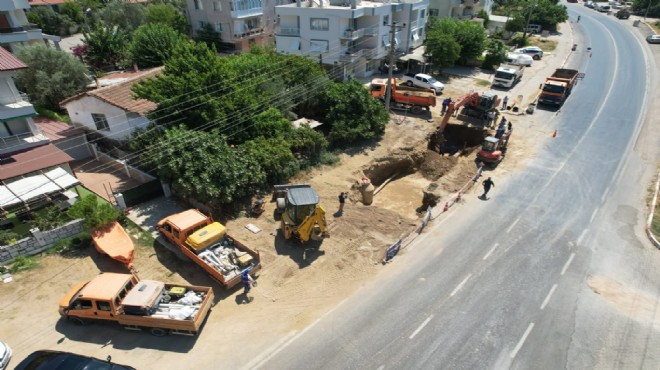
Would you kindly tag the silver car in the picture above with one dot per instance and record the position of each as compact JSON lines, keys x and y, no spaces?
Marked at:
{"x":533,"y":51}
{"x":653,"y":39}
{"x":5,"y":355}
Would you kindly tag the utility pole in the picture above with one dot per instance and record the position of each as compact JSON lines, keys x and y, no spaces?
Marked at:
{"x":529,"y":17}
{"x":388,"y":88}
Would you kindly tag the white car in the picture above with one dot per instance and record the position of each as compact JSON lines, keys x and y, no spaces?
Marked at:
{"x":519,"y":59}
{"x":533,"y":51}
{"x":5,"y":355}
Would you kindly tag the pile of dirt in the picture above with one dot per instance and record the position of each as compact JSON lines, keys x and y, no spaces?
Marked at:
{"x":436,"y":165}
{"x":402,"y":161}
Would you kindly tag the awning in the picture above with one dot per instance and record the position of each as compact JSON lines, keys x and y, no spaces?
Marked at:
{"x":28,"y":188}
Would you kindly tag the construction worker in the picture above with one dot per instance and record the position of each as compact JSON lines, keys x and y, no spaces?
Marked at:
{"x":488,"y":183}
{"x":445,"y":104}
{"x":247,"y":281}
{"x":342,"y":200}
{"x":505,"y":102}
{"x":578,"y":19}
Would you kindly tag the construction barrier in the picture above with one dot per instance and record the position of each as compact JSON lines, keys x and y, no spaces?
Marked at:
{"x":392,"y":251}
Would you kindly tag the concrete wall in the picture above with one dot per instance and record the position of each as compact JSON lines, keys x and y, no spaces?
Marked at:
{"x":39,"y":241}
{"x":119,"y":124}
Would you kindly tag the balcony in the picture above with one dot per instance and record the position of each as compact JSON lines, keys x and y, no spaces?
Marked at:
{"x":289,"y":31}
{"x":245,"y":13}
{"x":9,"y":5}
{"x":20,"y":34}
{"x":352,"y":35}
{"x":371,"y":31}
{"x":351,"y":56}
{"x":249,"y":33}
{"x":21,"y":141}
{"x":17,"y":108}
{"x":375,"y":53}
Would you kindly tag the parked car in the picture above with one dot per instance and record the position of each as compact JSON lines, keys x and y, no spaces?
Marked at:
{"x":653,"y":39}
{"x":533,"y":51}
{"x":603,"y":8}
{"x":56,"y":360}
{"x":534,"y":28}
{"x":519,"y":59}
{"x":5,"y":355}
{"x":589,"y":4}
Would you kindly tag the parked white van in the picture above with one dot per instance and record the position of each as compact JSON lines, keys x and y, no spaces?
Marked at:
{"x":534,"y":28}
{"x":519,"y":59}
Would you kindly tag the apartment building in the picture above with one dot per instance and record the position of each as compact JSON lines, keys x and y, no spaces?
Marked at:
{"x":240,"y":23}
{"x":15,"y":30}
{"x":350,"y":37}
{"x":458,"y":8}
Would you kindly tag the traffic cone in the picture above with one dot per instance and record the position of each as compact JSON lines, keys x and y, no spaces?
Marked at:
{"x":446,"y":207}
{"x":554,"y":134}
{"x":458,"y":196}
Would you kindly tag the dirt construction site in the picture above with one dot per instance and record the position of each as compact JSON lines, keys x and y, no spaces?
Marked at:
{"x":299,"y":282}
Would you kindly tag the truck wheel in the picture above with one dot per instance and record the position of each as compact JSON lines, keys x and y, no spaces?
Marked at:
{"x":77,"y":320}
{"x":158,"y":332}
{"x":416,"y":109}
{"x":409,"y":83}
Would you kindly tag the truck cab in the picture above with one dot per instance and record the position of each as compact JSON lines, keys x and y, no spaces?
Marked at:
{"x":508,"y":75}
{"x":99,"y":298}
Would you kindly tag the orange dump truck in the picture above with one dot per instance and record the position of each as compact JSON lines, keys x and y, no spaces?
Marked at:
{"x":139,"y":304}
{"x":404,"y":97}
{"x":207,"y":244}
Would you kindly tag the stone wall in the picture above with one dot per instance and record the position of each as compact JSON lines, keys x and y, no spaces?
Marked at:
{"x":39,"y":241}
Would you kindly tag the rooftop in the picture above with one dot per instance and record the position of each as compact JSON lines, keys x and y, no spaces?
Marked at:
{"x":105,"y":286}
{"x":55,"y":130}
{"x":29,"y":160}
{"x":8,"y":62}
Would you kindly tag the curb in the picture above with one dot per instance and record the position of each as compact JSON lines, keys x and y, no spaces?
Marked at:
{"x":649,"y":221}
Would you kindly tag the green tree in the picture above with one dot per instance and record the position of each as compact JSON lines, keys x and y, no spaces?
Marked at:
{"x":443,"y":48}
{"x":353,"y":114}
{"x":274,"y":157}
{"x":471,"y":37}
{"x":643,"y":5}
{"x":496,"y":53}
{"x":548,"y":14}
{"x":49,"y":218}
{"x":202,"y":165}
{"x":73,"y":10}
{"x":95,"y":213}
{"x":167,"y":14}
{"x":105,"y":47}
{"x":152,"y":44}
{"x":122,"y":15}
{"x":208,"y":35}
{"x":307,"y":143}
{"x":50,"y":22}
{"x":52,"y":75}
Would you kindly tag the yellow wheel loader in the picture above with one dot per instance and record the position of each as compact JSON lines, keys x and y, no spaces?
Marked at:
{"x":302,"y":216}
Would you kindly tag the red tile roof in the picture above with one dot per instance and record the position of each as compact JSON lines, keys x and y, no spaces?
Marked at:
{"x":120,"y":95}
{"x":30,"y":160}
{"x":56,"y":130}
{"x":8,"y":62}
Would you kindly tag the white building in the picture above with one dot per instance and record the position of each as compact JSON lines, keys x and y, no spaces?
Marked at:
{"x":350,"y":37}
{"x":15,"y":30}
{"x":111,"y":110}
{"x":241,"y":23}
{"x":458,"y":8}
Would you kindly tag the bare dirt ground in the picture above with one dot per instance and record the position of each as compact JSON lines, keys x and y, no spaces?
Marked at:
{"x":298,"y":282}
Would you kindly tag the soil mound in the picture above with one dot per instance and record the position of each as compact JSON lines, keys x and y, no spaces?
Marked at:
{"x":436,"y":165}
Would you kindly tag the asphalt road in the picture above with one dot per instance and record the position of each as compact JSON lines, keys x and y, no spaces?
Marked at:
{"x":512,"y":283}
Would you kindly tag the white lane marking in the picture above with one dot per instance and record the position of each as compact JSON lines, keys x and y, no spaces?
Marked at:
{"x":602,"y":199}
{"x":547,"y":298}
{"x":568,"y":263}
{"x":584,"y":232}
{"x":258,"y":362}
{"x":420,"y":327}
{"x":593,"y":215}
{"x":460,"y":285}
{"x":491,"y":251}
{"x":512,"y":225}
{"x":522,"y":340}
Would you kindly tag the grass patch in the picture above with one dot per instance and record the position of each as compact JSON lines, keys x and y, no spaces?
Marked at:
{"x":23,"y":263}
{"x":481,"y":82}
{"x":83,"y":192}
{"x":74,"y":243}
{"x":543,"y":43}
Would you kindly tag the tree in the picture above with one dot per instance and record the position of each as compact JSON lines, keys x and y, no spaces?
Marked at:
{"x":307,"y":143}
{"x":105,"y":47}
{"x":52,"y":75}
{"x":274,"y":157}
{"x":122,"y":15}
{"x":202,"y":165}
{"x":353,"y":114}
{"x":208,"y":35}
{"x":167,"y":14}
{"x":95,"y":213}
{"x":548,"y":14}
{"x":443,"y":48}
{"x":471,"y":37}
{"x":496,"y":53}
{"x":49,"y":21}
{"x":73,"y":10}
{"x":152,"y":44}
{"x":643,"y":5}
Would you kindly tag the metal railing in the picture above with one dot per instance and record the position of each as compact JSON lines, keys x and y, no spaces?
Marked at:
{"x":289,"y":31}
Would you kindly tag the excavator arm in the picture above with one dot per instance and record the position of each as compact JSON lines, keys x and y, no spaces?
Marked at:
{"x":314,"y":226}
{"x":471,"y":98}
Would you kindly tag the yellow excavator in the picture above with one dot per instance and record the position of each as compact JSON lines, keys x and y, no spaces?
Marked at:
{"x":302,"y":216}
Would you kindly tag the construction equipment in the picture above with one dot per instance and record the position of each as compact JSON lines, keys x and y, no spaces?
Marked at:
{"x":493,"y":149}
{"x":302,"y":216}
{"x":558,"y":86}
{"x":404,"y":97}
{"x":476,"y":105}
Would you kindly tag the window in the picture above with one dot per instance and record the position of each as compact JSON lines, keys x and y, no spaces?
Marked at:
{"x":319,"y":46}
{"x":434,"y":12}
{"x":421,"y":15}
{"x":201,"y":25}
{"x":218,"y":27}
{"x":217,"y":6}
{"x":198,"y":5}
{"x":319,"y":24}
{"x":100,"y":121}
{"x":82,"y":304}
{"x":386,"y":20}
{"x":295,"y":44}
{"x":420,"y":32}
{"x":386,"y":41}
{"x":251,"y":24}
{"x":103,"y":305}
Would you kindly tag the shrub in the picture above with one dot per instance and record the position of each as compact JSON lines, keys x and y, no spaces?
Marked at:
{"x":23,"y":263}
{"x":8,"y":237}
{"x":94,"y":213}
{"x":49,"y":218}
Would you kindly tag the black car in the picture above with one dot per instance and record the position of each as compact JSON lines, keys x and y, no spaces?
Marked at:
{"x":56,"y":360}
